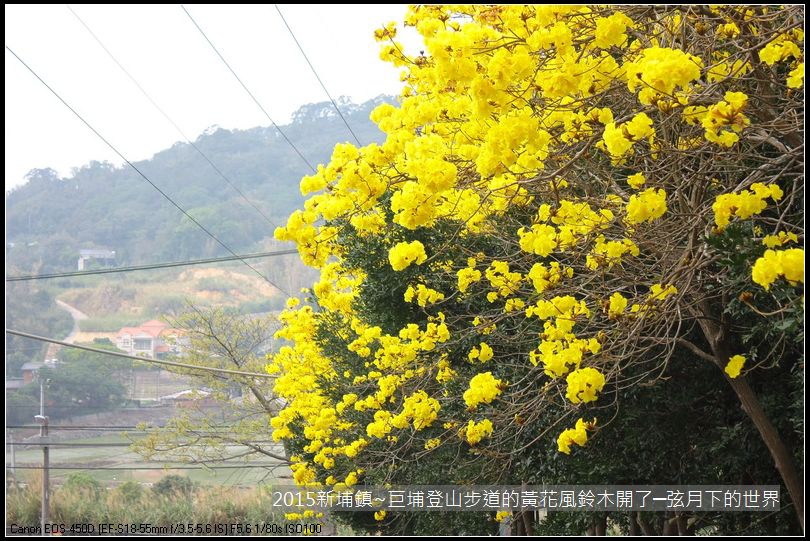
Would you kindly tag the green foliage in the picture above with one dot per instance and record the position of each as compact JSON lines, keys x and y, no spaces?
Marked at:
{"x":84,"y":382}
{"x":83,"y":482}
{"x":31,"y":308}
{"x":174,"y":485}
{"x":130,"y":491}
{"x":21,"y":407}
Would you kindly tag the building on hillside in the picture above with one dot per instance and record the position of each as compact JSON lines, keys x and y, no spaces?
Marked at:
{"x":153,"y":339}
{"x":104,"y":258}
{"x":30,"y":371}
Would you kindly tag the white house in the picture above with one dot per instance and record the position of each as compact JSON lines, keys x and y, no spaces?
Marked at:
{"x":153,"y":339}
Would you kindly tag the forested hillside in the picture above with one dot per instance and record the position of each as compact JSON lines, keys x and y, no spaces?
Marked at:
{"x":102,"y":206}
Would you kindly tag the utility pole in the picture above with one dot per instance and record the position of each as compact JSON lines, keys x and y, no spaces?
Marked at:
{"x":13,"y":454}
{"x":42,"y":420}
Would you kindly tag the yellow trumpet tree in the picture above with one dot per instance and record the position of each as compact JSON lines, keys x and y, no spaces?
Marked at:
{"x":567,"y":198}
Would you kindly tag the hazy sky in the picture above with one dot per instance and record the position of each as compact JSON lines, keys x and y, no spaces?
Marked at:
{"x":162,"y":49}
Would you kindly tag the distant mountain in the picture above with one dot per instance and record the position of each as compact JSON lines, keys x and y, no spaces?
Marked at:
{"x":49,"y":219}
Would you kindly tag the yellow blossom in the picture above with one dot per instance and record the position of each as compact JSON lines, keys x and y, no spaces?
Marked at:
{"x":500,"y":516}
{"x":773,"y":264}
{"x":475,"y":432}
{"x":659,"y":70}
{"x":405,"y":253}
{"x":796,"y":76}
{"x":432,"y":443}
{"x":636,"y":180}
{"x":481,"y":355}
{"x":647,"y":206}
{"x":484,"y":388}
{"x":584,"y":385}
{"x":577,"y":435}
{"x":611,"y":30}
{"x":617,"y":306}
{"x":734,"y":366}
{"x":423,"y":295}
{"x":772,"y":241}
{"x":467,"y":276}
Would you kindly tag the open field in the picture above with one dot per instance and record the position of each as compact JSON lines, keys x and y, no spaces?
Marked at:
{"x":112,"y":302}
{"x":97,"y":456}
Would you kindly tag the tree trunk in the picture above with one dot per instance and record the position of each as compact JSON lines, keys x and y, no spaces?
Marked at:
{"x":600,"y":525}
{"x":645,"y":526}
{"x":669,"y":527}
{"x":680,"y":521}
{"x":780,"y":453}
{"x":526,"y":518}
{"x":633,"y":527}
{"x":718,"y":339}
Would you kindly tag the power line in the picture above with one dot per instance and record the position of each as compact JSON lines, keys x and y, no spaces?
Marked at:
{"x":140,"y":468}
{"x":131,"y":428}
{"x":334,"y":103}
{"x":149,"y":267}
{"x":68,"y":444}
{"x":84,"y":427}
{"x":143,"y":359}
{"x":256,"y":101}
{"x":161,"y":192}
{"x":111,"y":444}
{"x":169,"y":119}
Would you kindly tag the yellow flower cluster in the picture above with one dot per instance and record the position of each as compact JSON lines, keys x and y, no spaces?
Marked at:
{"x":500,"y":516}
{"x":481,"y":355}
{"x":796,"y":76}
{"x":432,"y":443}
{"x":744,"y":204}
{"x":423,"y":294}
{"x":420,"y":409}
{"x":475,"y":432}
{"x":617,"y":305}
{"x":573,"y":221}
{"x":577,"y":435}
{"x":444,"y":373}
{"x":540,"y":240}
{"x":484,"y":388}
{"x":502,"y":280}
{"x":610,"y":252}
{"x":611,"y":30}
{"x":776,"y":263}
{"x":619,"y":139}
{"x":734,"y":366}
{"x":584,"y":385}
{"x":404,"y":253}
{"x":782,"y":47}
{"x":659,"y":70}
{"x":466,"y":277}
{"x":772,"y":241}
{"x":560,"y":349}
{"x":659,"y":292}
{"x":636,"y":180}
{"x":646,"y":206}
{"x":543,"y":277}
{"x":726,"y":114}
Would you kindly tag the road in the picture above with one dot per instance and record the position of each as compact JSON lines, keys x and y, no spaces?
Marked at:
{"x":77,"y":316}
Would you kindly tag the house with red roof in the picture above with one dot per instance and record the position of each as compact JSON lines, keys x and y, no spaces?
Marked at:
{"x":153,"y":339}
